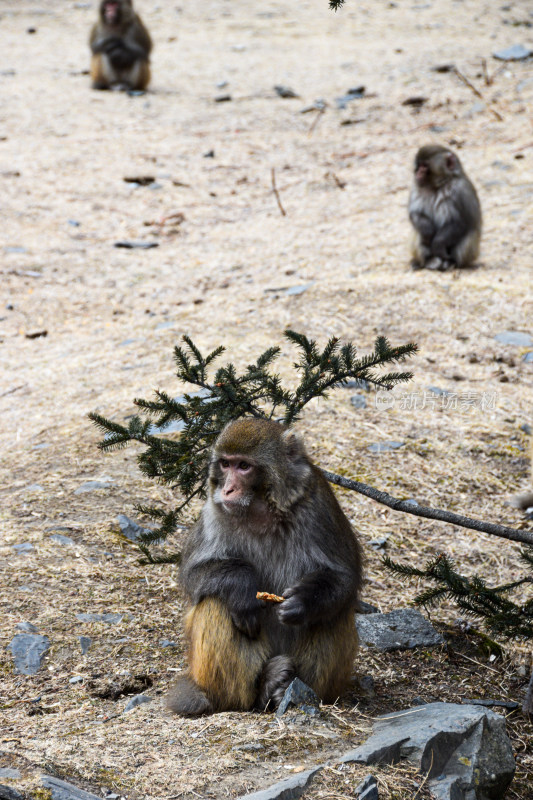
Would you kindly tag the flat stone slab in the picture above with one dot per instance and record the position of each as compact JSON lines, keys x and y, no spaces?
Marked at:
{"x":28,"y":650}
{"x":288,"y":789}
{"x":401,"y":629}
{"x":111,"y":618}
{"x":516,"y":338}
{"x":464,"y":750}
{"x":516,"y":52}
{"x":61,"y":790}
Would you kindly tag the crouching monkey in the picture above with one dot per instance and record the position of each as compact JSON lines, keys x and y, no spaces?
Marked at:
{"x":120,"y":46}
{"x":271,"y":522}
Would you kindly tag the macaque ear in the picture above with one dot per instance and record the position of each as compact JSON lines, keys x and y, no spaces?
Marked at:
{"x":451,"y":162}
{"x":293,"y":445}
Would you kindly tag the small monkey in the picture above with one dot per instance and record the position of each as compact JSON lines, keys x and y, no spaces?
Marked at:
{"x":271,"y":523}
{"x":120,"y":46}
{"x":444,"y":210}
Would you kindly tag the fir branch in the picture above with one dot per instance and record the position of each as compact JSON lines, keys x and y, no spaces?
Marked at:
{"x":182,"y":461}
{"x":472,"y":595}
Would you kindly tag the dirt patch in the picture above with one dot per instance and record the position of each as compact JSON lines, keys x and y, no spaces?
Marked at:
{"x":225,"y":259}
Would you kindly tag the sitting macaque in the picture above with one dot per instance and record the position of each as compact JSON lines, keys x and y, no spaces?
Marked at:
{"x":271,"y":526}
{"x":444,"y":210}
{"x":120,"y":46}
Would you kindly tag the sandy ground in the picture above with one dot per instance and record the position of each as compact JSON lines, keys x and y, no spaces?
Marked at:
{"x":112,"y":317}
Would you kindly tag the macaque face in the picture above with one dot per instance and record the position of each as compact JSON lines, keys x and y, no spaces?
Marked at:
{"x":111,"y":11}
{"x":237,"y":479}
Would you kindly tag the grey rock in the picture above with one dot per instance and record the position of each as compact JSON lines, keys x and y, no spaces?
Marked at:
{"x":516,"y":52}
{"x":286,"y":92}
{"x":138,"y":700}
{"x":367,"y":789}
{"x":61,"y":790}
{"x":34,"y":487}
{"x":28,"y":650}
{"x":167,"y":643}
{"x":91,"y":486}
{"x":401,"y":629}
{"x":136,"y":245}
{"x":510,"y":704}
{"x":289,"y":789}
{"x":317,"y":105}
{"x":301,"y":695}
{"x":367,"y":608}
{"x":295,"y":290}
{"x":366,"y":686}
{"x":438,"y":391}
{"x":85,"y":643}
{"x":161,"y":326}
{"x":528,"y":357}
{"x":357,"y":93}
{"x":8,"y":772}
{"x":358,"y":400}
{"x":385,"y":447}
{"x":25,"y":547}
{"x":526,"y":428}
{"x":515,"y":338}
{"x":380,"y":543}
{"x":76,"y":679}
{"x":130,"y":529}
{"x":464,"y":750}
{"x":109,"y":618}
{"x":8,"y":793}
{"x":248,"y":747}
{"x":60,"y":539}
{"x":26,"y":627}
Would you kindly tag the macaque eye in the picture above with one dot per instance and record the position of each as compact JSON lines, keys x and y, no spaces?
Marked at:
{"x":224,"y":463}
{"x":244,"y":466}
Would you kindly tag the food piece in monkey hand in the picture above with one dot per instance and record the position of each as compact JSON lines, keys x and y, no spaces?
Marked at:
{"x":269,"y":598}
{"x":270,"y":519}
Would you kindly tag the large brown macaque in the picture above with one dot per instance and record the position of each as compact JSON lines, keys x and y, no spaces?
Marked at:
{"x":271,"y":523}
{"x":444,"y":210}
{"x":120,"y":46}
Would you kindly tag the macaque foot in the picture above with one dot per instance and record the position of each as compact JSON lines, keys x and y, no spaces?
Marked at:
{"x":186,"y":698}
{"x":276,"y":676}
{"x":435,"y":263}
{"x":416,"y":265}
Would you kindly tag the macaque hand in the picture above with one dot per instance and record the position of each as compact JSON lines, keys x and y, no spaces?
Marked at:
{"x":248,"y":618}
{"x":294,"y":609}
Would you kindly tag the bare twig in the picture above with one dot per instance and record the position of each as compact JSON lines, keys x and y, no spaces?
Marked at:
{"x":411,"y":507}
{"x":477,"y":93}
{"x":319,"y":113}
{"x":276,"y":193}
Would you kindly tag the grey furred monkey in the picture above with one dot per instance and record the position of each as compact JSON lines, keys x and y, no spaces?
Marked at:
{"x":120,"y":46}
{"x":271,"y":523}
{"x":444,"y":210}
